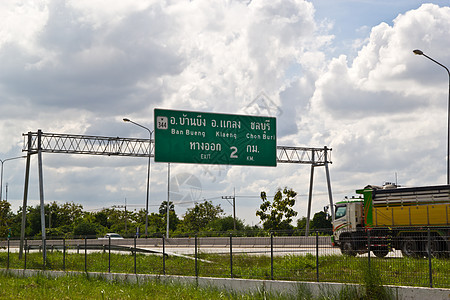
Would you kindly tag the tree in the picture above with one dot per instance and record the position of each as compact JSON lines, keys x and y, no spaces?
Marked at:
{"x":33,"y":227}
{"x":156,"y":223}
{"x":101,"y":218}
{"x":5,"y":218}
{"x":59,"y":219}
{"x":225,"y":224}
{"x":116,"y":219}
{"x":173,"y":218}
{"x":63,"y":217}
{"x":86,"y":228}
{"x":321,"y":222}
{"x":301,"y":223}
{"x":278,"y":214}
{"x":198,"y":217}
{"x":139,"y":218}
{"x":163,"y":207}
{"x":68,"y":213}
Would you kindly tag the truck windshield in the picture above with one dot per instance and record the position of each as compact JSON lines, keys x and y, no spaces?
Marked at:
{"x":340,"y":211}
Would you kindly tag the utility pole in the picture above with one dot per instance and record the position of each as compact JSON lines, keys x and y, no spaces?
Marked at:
{"x":234,"y":206}
{"x":126,"y":217}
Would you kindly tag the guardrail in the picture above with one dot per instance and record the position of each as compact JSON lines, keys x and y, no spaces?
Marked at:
{"x":246,"y":242}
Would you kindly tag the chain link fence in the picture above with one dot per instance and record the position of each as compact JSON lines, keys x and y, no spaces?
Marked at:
{"x":410,"y":258}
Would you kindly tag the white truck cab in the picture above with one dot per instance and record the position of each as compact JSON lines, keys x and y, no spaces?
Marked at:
{"x":348,"y":217}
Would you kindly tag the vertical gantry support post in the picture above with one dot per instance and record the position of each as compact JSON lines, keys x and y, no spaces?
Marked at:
{"x":25,"y":195}
{"x":330,"y":195}
{"x":168,"y":200}
{"x":311,"y":181}
{"x":148,"y":184}
{"x":41,"y":196}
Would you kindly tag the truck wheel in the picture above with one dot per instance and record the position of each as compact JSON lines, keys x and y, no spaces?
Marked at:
{"x":380,"y":252}
{"x":435,"y":249}
{"x":409,"y":247}
{"x":347,"y":248}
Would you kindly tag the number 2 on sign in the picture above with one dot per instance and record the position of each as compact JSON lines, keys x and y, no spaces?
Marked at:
{"x":233,"y":152}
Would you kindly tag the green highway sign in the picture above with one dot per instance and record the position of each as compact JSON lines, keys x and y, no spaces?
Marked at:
{"x":210,"y":138}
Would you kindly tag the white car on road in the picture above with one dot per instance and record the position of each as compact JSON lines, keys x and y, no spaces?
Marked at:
{"x":112,"y":236}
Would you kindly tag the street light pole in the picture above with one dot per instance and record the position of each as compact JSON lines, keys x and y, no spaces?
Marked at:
{"x":148,"y":170}
{"x":1,"y":173}
{"x":420,"y":52}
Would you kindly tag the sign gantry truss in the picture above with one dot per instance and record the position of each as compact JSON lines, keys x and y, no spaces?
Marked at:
{"x":117,"y":146}
{"x":304,"y":155}
{"x":87,"y":144}
{"x":39,"y":142}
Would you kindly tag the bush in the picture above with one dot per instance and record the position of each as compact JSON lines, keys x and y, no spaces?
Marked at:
{"x":85,"y":228}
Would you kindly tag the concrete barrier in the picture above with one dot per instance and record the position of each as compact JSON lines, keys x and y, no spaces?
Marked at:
{"x":287,"y":288}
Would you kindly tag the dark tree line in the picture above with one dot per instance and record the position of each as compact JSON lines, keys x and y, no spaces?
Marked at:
{"x":69,"y":219}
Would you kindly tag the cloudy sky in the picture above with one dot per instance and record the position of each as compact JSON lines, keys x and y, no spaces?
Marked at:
{"x":335,"y":73}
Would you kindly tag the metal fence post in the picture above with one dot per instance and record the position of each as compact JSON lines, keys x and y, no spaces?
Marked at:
{"x":164,"y":254}
{"x":195,"y":250}
{"x":271,"y":255}
{"x":317,"y":256}
{"x":44,"y":254}
{"x":109,"y":254}
{"x":64,"y":254}
{"x":134,"y":252}
{"x":25,"y":255}
{"x":85,"y":254}
{"x":7,"y":261}
{"x":231,"y":255}
{"x":430,"y":269}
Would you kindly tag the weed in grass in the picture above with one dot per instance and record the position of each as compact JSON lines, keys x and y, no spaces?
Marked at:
{"x":303,"y":293}
{"x":373,"y":284}
{"x":346,"y":293}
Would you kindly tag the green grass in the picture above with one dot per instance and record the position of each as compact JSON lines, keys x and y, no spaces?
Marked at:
{"x":88,"y":287}
{"x":332,"y":268}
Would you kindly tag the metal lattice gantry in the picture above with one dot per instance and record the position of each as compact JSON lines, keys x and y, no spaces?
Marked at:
{"x":86,"y":144}
{"x":39,"y":142}
{"x":117,"y":146}
{"x":304,"y":155}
